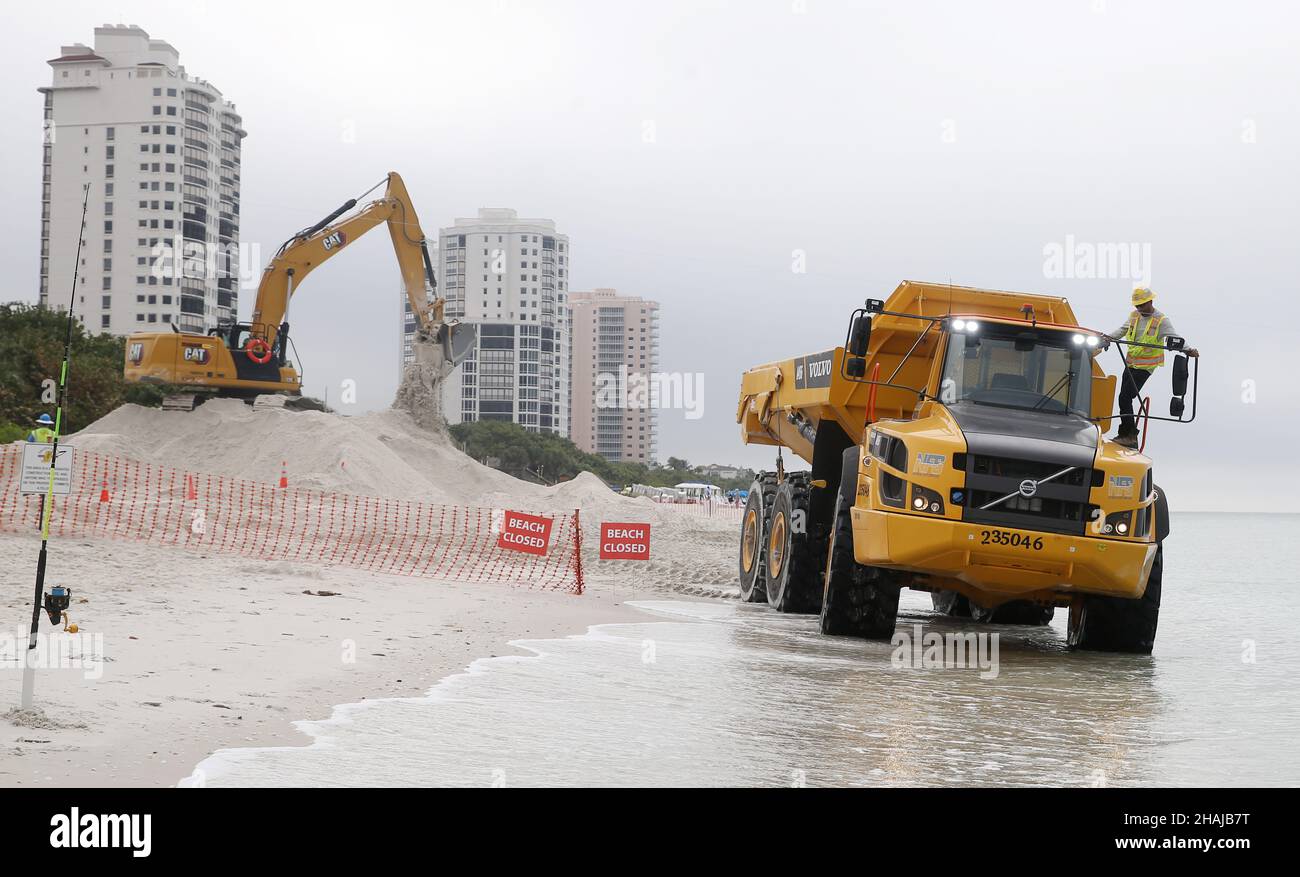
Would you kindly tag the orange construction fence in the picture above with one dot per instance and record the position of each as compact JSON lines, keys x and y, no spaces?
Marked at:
{"x":118,"y":498}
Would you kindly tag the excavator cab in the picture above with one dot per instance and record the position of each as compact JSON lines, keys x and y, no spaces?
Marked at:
{"x":254,"y":363}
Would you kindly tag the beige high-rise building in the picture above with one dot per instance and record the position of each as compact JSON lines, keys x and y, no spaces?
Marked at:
{"x":615,"y":354}
{"x":160,"y":150}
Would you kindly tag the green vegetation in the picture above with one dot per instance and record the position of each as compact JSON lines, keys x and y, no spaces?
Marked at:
{"x":549,"y":458}
{"x":31,"y":354}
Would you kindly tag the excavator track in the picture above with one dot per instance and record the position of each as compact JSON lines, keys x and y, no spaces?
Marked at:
{"x":183,"y":401}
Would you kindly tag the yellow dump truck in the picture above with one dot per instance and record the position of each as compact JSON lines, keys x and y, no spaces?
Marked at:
{"x":956,"y":444}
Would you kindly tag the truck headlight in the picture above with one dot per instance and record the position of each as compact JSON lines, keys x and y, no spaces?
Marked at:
{"x":926,"y":500}
{"x":1119,"y":524}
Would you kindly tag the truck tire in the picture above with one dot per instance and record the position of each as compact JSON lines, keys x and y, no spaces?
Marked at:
{"x":793,"y":565}
{"x":950,"y":603}
{"x":1113,"y":624}
{"x":857,"y":600}
{"x":1012,"y":612}
{"x":753,"y":532}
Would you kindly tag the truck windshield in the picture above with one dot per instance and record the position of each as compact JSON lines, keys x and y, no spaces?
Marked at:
{"x":1017,"y":367}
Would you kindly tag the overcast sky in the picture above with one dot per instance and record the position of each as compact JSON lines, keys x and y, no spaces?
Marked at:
{"x":690,"y":149}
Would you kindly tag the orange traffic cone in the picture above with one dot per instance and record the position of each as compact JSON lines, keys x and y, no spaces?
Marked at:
{"x":284,"y":479}
{"x":103,"y":490}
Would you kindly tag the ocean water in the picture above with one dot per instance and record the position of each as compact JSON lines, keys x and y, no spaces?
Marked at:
{"x":721,"y":693}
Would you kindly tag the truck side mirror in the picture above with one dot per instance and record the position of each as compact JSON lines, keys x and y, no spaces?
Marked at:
{"x":860,"y":335}
{"x":856,"y":367}
{"x":1180,"y":376}
{"x":1177,"y":406}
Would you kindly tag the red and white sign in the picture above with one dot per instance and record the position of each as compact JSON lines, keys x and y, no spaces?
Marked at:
{"x":527,"y":533}
{"x":624,"y":541}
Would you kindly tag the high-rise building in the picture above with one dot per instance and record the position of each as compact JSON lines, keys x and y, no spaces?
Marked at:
{"x":615,"y":356}
{"x":509,"y":277}
{"x":160,"y":150}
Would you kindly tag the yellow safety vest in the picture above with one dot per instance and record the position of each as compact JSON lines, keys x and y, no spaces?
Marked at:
{"x":1147,"y":358}
{"x":43,"y":435}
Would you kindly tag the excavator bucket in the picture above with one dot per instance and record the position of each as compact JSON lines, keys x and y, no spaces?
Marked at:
{"x":457,"y":340}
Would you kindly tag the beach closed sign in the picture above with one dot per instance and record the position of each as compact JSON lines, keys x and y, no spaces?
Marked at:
{"x":624,"y":541}
{"x":530,"y":534}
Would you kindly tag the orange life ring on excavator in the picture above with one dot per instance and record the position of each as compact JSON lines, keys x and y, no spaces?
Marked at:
{"x":258,"y":350}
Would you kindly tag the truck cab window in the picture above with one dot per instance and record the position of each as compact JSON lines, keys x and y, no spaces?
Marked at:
{"x":1040,"y":370}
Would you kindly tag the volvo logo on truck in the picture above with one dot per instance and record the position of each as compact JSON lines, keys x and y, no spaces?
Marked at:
{"x":814,"y":371}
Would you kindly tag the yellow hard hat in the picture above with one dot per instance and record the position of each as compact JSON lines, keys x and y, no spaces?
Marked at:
{"x":1142,"y":295}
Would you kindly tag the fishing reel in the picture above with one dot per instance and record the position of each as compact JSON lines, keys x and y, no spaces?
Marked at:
{"x":57,"y":602}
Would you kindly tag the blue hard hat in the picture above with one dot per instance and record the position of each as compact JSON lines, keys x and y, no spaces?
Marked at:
{"x":45,"y":420}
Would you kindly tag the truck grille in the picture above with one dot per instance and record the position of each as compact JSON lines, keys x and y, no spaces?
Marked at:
{"x":1059,"y":506}
{"x":1006,"y":467}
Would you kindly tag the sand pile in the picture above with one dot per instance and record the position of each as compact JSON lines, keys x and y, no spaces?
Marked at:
{"x":383,"y":454}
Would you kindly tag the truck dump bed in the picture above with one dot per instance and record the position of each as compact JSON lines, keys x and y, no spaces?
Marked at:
{"x":814,"y":390}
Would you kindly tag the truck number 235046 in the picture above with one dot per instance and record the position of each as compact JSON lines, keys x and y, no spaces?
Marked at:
{"x":1015,"y":540}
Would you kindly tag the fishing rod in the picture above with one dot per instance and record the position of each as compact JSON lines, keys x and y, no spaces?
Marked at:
{"x":29,"y":670}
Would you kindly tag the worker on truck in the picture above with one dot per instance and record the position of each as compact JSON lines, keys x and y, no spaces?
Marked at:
{"x":1145,"y":326}
{"x":42,"y":434}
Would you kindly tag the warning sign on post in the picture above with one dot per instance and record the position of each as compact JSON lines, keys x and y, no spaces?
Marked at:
{"x":36,"y":469}
{"x":530,"y":534}
{"x":624,"y":541}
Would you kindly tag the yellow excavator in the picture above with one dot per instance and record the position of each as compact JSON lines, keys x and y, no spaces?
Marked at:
{"x":250,"y":359}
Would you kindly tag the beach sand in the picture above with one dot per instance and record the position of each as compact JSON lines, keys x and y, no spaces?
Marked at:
{"x":207,"y":652}
{"x":203,"y":651}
